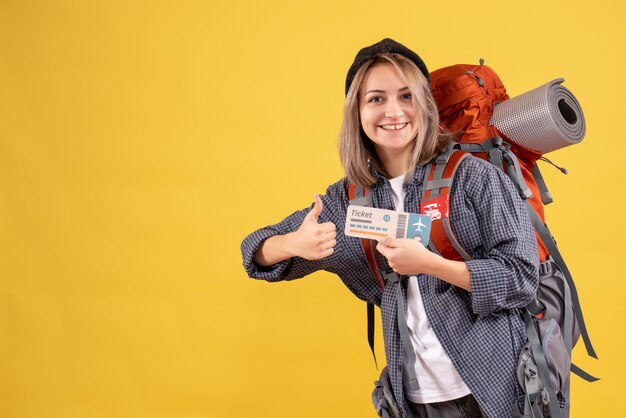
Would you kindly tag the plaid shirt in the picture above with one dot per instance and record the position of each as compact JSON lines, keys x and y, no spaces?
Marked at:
{"x":482,"y":331}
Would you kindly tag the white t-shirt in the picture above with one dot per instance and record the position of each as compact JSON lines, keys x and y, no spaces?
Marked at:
{"x":438,"y":379}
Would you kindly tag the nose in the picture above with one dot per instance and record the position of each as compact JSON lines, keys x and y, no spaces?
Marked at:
{"x":393,"y":109}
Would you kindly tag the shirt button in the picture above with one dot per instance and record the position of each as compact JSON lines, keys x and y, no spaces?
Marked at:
{"x":399,"y":368}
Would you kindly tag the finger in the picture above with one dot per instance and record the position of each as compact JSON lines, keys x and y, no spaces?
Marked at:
{"x":327,"y":227}
{"x":329,"y":244}
{"x":324,"y":253}
{"x":381,"y":248}
{"x":317,"y":207}
{"x":327,"y":236}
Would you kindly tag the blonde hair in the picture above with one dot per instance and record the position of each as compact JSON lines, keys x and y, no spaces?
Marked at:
{"x":356,"y":150}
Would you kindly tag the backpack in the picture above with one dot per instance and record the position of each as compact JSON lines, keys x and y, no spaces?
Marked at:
{"x":473,"y":103}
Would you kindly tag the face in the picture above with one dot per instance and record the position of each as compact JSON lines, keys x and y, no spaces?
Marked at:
{"x":388,"y":116}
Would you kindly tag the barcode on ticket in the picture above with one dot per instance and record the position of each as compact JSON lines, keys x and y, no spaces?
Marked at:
{"x":401,"y":232}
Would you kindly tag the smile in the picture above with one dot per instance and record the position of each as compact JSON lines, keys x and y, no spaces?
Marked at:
{"x":393,"y":127}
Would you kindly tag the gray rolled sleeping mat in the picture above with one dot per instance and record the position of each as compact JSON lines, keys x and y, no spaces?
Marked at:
{"x":544,"y":119}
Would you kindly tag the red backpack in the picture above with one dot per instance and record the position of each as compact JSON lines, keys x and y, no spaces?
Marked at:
{"x":466,"y":96}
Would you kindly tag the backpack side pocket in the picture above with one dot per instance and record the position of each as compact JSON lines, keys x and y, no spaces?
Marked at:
{"x":557,"y":356}
{"x":383,"y":399}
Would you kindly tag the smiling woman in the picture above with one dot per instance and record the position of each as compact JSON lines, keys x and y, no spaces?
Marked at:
{"x":451,"y":328}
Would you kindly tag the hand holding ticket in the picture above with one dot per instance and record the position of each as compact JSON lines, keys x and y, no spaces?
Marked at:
{"x":373,"y":223}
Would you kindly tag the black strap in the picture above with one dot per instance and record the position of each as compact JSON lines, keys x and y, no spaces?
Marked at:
{"x":371,"y":324}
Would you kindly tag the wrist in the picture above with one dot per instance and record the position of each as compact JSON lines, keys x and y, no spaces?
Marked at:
{"x":434,"y":264}
{"x":289,"y":244}
{"x":273,"y":250}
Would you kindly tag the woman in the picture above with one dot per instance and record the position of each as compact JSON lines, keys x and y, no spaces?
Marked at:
{"x":464,"y":328}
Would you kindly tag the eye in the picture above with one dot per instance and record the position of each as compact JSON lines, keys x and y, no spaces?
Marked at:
{"x":407,"y":96}
{"x":375,"y":99}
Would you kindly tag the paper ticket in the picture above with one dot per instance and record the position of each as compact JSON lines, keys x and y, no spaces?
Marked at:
{"x":373,"y":223}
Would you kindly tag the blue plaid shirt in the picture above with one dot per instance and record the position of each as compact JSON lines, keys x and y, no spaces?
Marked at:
{"x":482,"y":331}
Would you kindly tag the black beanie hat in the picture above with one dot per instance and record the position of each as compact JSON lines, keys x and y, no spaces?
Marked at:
{"x":386,"y":46}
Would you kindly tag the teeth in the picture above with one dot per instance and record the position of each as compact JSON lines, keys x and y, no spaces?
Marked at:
{"x":393,"y":127}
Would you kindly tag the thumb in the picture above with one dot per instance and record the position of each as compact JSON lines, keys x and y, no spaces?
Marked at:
{"x":317,"y":208}
{"x":389,"y":242}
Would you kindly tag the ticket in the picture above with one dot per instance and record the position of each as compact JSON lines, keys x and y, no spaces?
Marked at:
{"x":373,"y":223}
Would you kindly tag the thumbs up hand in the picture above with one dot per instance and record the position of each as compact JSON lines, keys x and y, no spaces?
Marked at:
{"x":313,"y":240}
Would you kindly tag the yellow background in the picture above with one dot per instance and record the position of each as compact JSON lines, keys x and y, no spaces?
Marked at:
{"x":140,"y":141}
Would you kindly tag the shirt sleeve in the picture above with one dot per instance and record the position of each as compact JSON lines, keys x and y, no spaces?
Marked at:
{"x":294,"y":267}
{"x":504,"y":273}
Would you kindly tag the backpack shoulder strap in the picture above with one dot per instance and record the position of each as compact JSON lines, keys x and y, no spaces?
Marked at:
{"x":436,"y":204}
{"x":360,"y":196}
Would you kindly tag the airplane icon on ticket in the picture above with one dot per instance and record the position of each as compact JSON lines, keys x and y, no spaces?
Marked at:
{"x":419,"y":225}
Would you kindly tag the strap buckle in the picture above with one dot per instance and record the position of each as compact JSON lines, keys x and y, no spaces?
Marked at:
{"x":390,"y":276}
{"x":546,"y":267}
{"x":536,"y":309}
